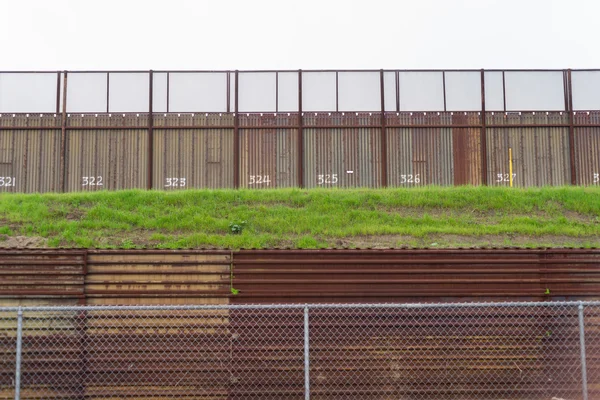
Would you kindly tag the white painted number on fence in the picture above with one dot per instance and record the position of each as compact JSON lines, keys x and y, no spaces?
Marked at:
{"x":91,"y":181}
{"x":505,"y":177}
{"x":327,"y":178}
{"x":7,"y":181}
{"x":259,"y":179}
{"x":596,"y":178}
{"x":410,"y":178}
{"x":175,"y":182}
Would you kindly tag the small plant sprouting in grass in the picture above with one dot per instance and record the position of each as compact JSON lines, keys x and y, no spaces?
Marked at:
{"x":237,"y":227}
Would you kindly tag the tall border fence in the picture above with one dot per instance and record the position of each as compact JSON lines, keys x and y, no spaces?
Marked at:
{"x":171,"y":130}
{"x":367,"y":351}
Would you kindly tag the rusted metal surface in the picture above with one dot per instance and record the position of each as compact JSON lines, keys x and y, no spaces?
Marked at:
{"x":383,"y":276}
{"x":106,"y":160}
{"x":441,"y":148}
{"x":268,"y":156}
{"x":384,"y":140}
{"x":423,"y":156}
{"x":158,"y":277}
{"x":150,"y":158}
{"x":540,"y":156}
{"x":345,"y":154}
{"x":298,"y":276}
{"x":30,"y":159}
{"x":203,"y":158}
{"x":355,"y":353}
{"x":567,"y":79}
{"x":63,"y":138}
{"x":587,"y":149}
{"x":42,"y":277}
{"x":467,"y":150}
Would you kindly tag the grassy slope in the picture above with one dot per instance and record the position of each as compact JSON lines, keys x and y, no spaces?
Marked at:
{"x":430,"y":216}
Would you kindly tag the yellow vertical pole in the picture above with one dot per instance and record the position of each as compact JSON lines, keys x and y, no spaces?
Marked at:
{"x":510,"y":167}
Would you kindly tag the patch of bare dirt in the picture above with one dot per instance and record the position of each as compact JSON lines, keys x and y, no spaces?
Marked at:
{"x":452,"y":241}
{"x":29,"y":242}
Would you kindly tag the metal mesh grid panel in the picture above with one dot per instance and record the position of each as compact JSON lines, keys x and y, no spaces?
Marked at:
{"x":445,"y":353}
{"x":8,"y":352}
{"x":394,"y":351}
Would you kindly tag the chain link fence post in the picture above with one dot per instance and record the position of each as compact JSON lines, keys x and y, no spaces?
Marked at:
{"x":18,"y":355}
{"x":306,"y":355}
{"x":582,"y":346}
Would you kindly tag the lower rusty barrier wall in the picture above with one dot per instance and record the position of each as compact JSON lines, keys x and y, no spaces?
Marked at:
{"x":221,"y":150}
{"x":137,"y":277}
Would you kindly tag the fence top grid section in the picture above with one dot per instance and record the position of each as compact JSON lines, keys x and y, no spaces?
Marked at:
{"x":298,"y":90}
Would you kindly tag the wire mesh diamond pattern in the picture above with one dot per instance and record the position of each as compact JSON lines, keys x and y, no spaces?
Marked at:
{"x":418,"y":351}
{"x":8,"y":353}
{"x":445,"y":353}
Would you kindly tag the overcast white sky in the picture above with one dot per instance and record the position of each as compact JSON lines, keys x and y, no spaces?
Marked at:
{"x":308,"y":34}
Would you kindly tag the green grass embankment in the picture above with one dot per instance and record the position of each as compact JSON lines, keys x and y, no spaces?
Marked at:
{"x":416,"y":217}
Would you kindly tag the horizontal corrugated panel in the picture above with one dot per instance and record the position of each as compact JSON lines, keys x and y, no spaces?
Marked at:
{"x":29,"y":159}
{"x":157,"y":278}
{"x":280,"y":276}
{"x":540,"y":156}
{"x":41,"y":274}
{"x":100,"y":159}
{"x":342,"y":156}
{"x":193,"y":158}
{"x":587,"y":149}
{"x":268,"y":156}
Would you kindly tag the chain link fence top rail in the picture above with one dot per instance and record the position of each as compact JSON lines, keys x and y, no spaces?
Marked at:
{"x":387,"y":351}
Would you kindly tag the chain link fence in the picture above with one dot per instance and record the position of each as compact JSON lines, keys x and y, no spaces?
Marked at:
{"x":404,"y":351}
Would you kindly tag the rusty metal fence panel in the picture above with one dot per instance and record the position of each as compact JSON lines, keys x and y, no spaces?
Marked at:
{"x":342,"y":150}
{"x":108,"y":152}
{"x":29,"y":158}
{"x":193,"y":151}
{"x":134,"y":277}
{"x":268,"y":151}
{"x":587,"y":148}
{"x":529,"y":351}
{"x":540,"y":149}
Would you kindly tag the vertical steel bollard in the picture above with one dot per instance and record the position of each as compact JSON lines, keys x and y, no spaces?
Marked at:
{"x":582,"y":346}
{"x":18,"y":358}
{"x":306,"y":356}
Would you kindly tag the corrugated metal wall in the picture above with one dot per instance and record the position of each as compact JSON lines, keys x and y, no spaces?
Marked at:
{"x":540,"y":154}
{"x":42,"y":277}
{"x":101,"y":159}
{"x":338,"y":149}
{"x":420,"y":156}
{"x":587,"y":149}
{"x":202,"y":157}
{"x":342,"y":157}
{"x":466,"y":144}
{"x":30,"y":159}
{"x":142,"y":277}
{"x":406,"y":275}
{"x":268,"y":156}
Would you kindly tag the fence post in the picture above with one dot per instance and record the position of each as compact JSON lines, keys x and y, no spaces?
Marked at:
{"x":582,"y":346}
{"x":306,"y":356}
{"x":18,"y":357}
